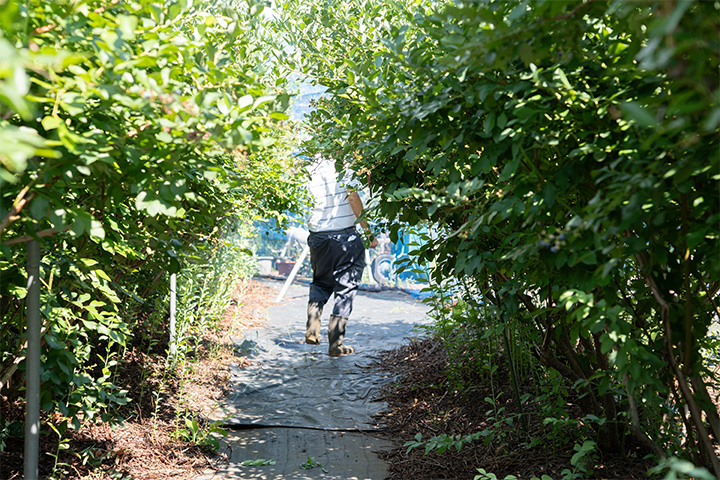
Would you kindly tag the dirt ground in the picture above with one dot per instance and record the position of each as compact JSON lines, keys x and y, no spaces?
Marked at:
{"x":146,"y":446}
{"x":422,"y":401}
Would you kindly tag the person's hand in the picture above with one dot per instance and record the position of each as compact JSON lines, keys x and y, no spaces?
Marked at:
{"x":373,"y":242}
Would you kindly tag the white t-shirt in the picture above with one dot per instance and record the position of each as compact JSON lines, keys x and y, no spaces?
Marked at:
{"x":331,"y":210}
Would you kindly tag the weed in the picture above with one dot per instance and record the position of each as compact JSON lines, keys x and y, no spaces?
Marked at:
{"x":483,"y":475}
{"x":310,"y":463}
{"x":441,"y":443}
{"x":675,"y":468}
{"x":93,"y":456}
{"x":583,"y":459}
{"x":4,"y":433}
{"x":58,"y":470}
{"x":200,"y":435}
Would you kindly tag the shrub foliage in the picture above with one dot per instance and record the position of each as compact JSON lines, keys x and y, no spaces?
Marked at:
{"x":134,"y":137}
{"x":565,"y":155}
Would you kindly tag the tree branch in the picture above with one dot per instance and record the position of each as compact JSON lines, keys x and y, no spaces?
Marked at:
{"x":638,"y":432}
{"x":18,"y":204}
{"x":701,"y":392}
{"x":686,"y":283}
{"x":525,"y":299}
{"x":26,"y":238}
{"x":573,"y":12}
{"x":695,"y":413}
{"x":9,"y":371}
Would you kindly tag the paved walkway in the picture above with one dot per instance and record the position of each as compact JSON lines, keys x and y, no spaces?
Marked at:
{"x":304,"y":411}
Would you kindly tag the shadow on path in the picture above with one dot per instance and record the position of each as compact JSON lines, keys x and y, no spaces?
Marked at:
{"x":295,"y":402}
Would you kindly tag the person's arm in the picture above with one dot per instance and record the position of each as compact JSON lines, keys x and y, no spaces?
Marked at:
{"x":357,"y":208}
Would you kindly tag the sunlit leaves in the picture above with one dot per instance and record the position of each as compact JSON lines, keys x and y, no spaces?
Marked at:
{"x":132,"y":134}
{"x":592,"y":129}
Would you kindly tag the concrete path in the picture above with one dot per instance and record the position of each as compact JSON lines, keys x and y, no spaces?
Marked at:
{"x":309,"y":415}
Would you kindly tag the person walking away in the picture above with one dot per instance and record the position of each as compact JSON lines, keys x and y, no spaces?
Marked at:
{"x":337,"y":253}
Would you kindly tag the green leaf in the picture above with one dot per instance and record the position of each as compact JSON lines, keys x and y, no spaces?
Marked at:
{"x":549,"y":194}
{"x":96,"y":230}
{"x":638,"y":114}
{"x":510,"y":169}
{"x":453,"y":40}
{"x":127,"y":24}
{"x":39,"y":208}
{"x":589,"y":258}
{"x":563,"y":78}
{"x":489,"y":122}
{"x":82,"y":223}
{"x":244,"y":102}
{"x":51,"y":123}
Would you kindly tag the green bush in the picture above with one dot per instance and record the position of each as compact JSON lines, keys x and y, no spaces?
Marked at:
{"x":134,"y":138}
{"x":564,"y":153}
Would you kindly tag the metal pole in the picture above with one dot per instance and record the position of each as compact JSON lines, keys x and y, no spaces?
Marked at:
{"x":173,"y":308}
{"x":32,"y":362}
{"x":293,"y":272}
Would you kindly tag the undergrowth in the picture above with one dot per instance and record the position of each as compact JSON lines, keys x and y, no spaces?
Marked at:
{"x":161,"y":421}
{"x":468,"y":426}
